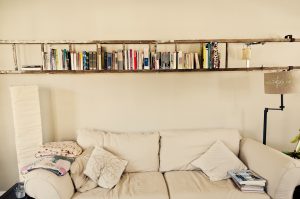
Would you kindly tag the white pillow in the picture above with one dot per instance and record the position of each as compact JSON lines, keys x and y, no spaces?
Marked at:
{"x":217,"y":161}
{"x":104,"y":168}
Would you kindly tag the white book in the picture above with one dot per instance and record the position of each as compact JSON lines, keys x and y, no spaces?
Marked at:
{"x":59,"y":59}
{"x":197,"y":61}
{"x":146,"y":59}
{"x":180,"y":60}
{"x":141,"y":59}
{"x":47,"y":65}
{"x":99,"y":61}
{"x":116,"y":61}
{"x":174,"y":60}
{"x":72,"y":60}
{"x":120,"y":60}
{"x":192,"y":61}
{"x":75,"y":60}
{"x":186,"y":61}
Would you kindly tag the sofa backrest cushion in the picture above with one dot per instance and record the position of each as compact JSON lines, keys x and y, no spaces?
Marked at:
{"x":139,"y":149}
{"x":180,"y":147}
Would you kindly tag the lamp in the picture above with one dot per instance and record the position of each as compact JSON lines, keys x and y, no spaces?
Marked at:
{"x":277,"y":83}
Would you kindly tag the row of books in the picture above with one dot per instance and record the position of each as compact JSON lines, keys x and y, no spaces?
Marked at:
{"x":144,"y":60}
{"x":131,"y":59}
{"x":248,"y":181}
{"x":63,"y":59}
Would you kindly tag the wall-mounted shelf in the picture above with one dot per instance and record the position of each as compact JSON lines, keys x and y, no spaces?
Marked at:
{"x":265,"y":40}
{"x":151,"y":43}
{"x":146,"y":71}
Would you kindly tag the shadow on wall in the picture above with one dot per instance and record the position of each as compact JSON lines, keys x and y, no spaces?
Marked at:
{"x":46,"y":114}
{"x":63,"y":108}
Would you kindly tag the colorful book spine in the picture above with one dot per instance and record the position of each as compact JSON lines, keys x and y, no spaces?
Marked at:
{"x":99,"y":58}
{"x":135,"y":60}
{"x":146,"y":59}
{"x":109,"y":61}
{"x":120,"y":60}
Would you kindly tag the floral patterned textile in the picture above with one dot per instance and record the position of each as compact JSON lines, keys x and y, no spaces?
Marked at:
{"x":65,"y":148}
{"x":57,"y":164}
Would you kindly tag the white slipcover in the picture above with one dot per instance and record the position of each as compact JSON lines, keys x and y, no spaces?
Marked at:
{"x":42,"y":184}
{"x":179,"y":148}
{"x":139,"y":149}
{"x":195,"y":185}
{"x":281,"y":171}
{"x":146,"y":185}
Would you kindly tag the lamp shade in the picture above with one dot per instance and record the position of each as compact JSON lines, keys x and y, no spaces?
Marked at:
{"x":279,"y":82}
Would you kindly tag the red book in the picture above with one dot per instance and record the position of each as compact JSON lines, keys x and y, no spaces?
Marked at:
{"x":135,"y":60}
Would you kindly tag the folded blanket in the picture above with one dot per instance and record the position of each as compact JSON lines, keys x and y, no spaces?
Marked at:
{"x":65,"y":148}
{"x":57,"y":164}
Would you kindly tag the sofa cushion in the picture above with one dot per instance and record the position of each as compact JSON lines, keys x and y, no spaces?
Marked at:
{"x":217,"y":161}
{"x":146,"y":185}
{"x":195,"y":185}
{"x":179,"y":148}
{"x":139,"y":149}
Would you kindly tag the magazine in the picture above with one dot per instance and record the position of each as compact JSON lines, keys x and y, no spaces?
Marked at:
{"x":249,"y":188}
{"x":247,"y":177}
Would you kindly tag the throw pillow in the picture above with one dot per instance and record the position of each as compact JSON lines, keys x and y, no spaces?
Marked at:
{"x":217,"y":161}
{"x":105,"y":168}
{"x":81,"y":182}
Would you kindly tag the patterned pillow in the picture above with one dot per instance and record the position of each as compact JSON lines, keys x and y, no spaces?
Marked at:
{"x":82,"y":182}
{"x":65,"y":148}
{"x":105,"y":168}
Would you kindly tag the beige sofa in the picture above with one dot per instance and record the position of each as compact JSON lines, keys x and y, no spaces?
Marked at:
{"x":159,"y":167}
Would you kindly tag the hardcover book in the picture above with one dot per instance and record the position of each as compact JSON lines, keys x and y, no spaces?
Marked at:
{"x":146,"y":59}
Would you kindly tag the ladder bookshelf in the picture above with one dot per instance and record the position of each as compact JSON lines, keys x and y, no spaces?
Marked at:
{"x":152,"y":44}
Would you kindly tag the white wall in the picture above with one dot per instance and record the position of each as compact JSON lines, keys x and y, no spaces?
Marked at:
{"x":142,"y":102}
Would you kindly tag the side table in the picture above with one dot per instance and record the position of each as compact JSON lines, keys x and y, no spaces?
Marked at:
{"x":10,"y":194}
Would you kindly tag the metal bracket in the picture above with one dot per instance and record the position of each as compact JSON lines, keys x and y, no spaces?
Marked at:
{"x":290,"y":37}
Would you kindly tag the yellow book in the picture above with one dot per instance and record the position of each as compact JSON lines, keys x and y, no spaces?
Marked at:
{"x":204,"y":53}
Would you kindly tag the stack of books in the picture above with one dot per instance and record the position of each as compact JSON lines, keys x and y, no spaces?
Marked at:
{"x":248,"y":181}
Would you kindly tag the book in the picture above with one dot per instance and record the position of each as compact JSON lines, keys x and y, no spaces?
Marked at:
{"x":215,"y":56}
{"x":135,"y":60}
{"x":140,"y":60}
{"x":99,"y":58}
{"x":125,"y":54}
{"x":146,"y":59}
{"x":205,"y":56}
{"x":153,"y":58}
{"x":120,"y":60}
{"x":247,"y":177}
{"x":109,"y":61}
{"x":249,"y":188}
{"x":197,"y":62}
{"x":31,"y":67}
{"x":180,"y":60}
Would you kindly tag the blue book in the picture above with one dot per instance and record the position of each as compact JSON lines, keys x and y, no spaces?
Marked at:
{"x":109,"y":61}
{"x":209,"y":56}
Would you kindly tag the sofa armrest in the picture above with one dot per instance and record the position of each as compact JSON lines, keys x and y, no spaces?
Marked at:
{"x":43,"y":184}
{"x":281,"y":171}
